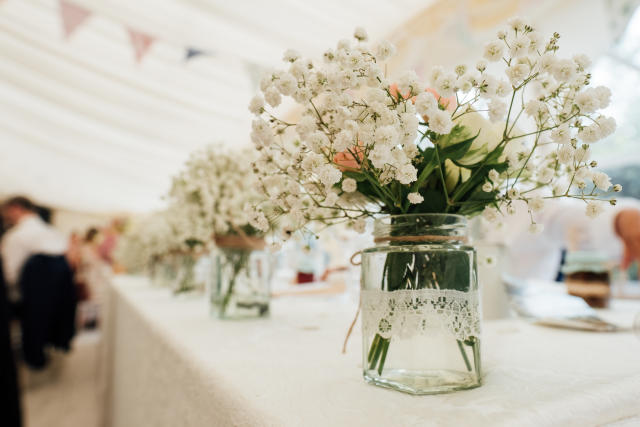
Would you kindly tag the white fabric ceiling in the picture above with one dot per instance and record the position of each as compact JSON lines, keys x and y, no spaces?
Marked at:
{"x":84,"y":127}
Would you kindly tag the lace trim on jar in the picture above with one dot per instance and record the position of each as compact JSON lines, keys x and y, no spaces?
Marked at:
{"x":406,"y":313}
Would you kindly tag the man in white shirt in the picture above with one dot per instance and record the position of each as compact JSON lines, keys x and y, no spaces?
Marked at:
{"x":29,"y":235}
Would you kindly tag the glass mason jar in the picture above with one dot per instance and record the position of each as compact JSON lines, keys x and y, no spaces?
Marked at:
{"x":185,"y":277}
{"x":420,"y":305}
{"x":162,"y":271}
{"x":242,"y":278}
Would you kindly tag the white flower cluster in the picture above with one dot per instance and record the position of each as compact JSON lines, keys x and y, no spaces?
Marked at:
{"x":564,"y":112}
{"x":218,"y":189}
{"x":350,"y":117}
{"x":157,"y":235}
{"x":355,"y":120}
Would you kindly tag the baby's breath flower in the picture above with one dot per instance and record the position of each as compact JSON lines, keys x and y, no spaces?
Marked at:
{"x":349,"y":185}
{"x":415,"y":198}
{"x":440,"y":122}
{"x":256,"y":106}
{"x":536,"y":204}
{"x":291,"y":55}
{"x":360,"y":225}
{"x":361,"y":34}
{"x":601,"y":180}
{"x":493,"y":51}
{"x":594,"y":209}
{"x":535,"y":228}
{"x":385,"y":50}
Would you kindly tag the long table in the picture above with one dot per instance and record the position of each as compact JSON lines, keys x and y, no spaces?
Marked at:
{"x":171,"y":364}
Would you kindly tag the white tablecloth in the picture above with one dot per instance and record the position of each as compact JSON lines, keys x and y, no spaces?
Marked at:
{"x":173,"y":365}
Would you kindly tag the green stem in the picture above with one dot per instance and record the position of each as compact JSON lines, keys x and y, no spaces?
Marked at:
{"x":464,"y":355}
{"x":397,"y":273}
{"x":238,"y":265}
{"x":444,"y":182}
{"x":383,"y":356}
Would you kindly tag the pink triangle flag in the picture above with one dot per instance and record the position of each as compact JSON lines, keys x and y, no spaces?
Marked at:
{"x":141,"y":43}
{"x":72,"y":16}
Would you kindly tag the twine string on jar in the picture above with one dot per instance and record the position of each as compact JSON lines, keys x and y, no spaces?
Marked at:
{"x":239,"y":241}
{"x":421,"y":238}
{"x":355,"y":319}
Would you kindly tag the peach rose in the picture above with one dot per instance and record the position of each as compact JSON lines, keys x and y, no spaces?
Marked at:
{"x":345,"y":160}
{"x":393,"y":90}
{"x":449,"y":103}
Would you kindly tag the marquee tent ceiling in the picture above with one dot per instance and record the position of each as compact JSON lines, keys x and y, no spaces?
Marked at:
{"x":84,"y":126}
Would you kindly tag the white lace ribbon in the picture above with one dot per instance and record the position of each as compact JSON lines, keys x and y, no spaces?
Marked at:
{"x":406,"y":313}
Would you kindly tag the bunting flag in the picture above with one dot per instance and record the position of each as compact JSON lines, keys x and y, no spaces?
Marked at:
{"x":141,"y":43}
{"x":192,"y":52}
{"x":72,"y":16}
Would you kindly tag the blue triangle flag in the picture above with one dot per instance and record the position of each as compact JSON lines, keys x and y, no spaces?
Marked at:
{"x":192,"y":52}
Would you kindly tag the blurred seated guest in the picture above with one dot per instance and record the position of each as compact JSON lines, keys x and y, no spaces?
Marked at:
{"x":74,"y":249}
{"x":564,"y":226}
{"x":627,"y":227}
{"x":29,"y":235}
{"x":40,"y":279}
{"x":44,"y":213}
{"x":109,"y":240}
{"x":47,"y":307}
{"x":92,"y":273}
{"x":74,"y":257}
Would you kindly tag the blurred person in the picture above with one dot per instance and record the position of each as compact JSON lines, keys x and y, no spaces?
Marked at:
{"x":44,"y":213}
{"x":40,"y":281}
{"x":28,"y":235}
{"x":10,"y":411}
{"x":627,"y":227}
{"x":93,"y":273}
{"x":564,"y":226}
{"x":73,"y":251}
{"x":109,"y":240}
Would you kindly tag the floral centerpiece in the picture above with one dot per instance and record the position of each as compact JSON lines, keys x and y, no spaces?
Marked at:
{"x":165,"y":243}
{"x":513,"y":127}
{"x":219,"y":188}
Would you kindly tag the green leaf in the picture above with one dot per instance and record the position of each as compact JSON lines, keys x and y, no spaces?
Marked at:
{"x":427,"y":165}
{"x":396,"y":265}
{"x":491,"y":158}
{"x":478,"y":178}
{"x":358,"y":176}
{"x":456,"y":268}
{"x":458,"y":150}
{"x":434,"y":201}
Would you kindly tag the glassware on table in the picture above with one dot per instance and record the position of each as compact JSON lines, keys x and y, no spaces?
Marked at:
{"x":587,"y":276}
{"x":185,"y":277}
{"x":241,"y":286}
{"x":163,"y":272}
{"x":420,"y":305}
